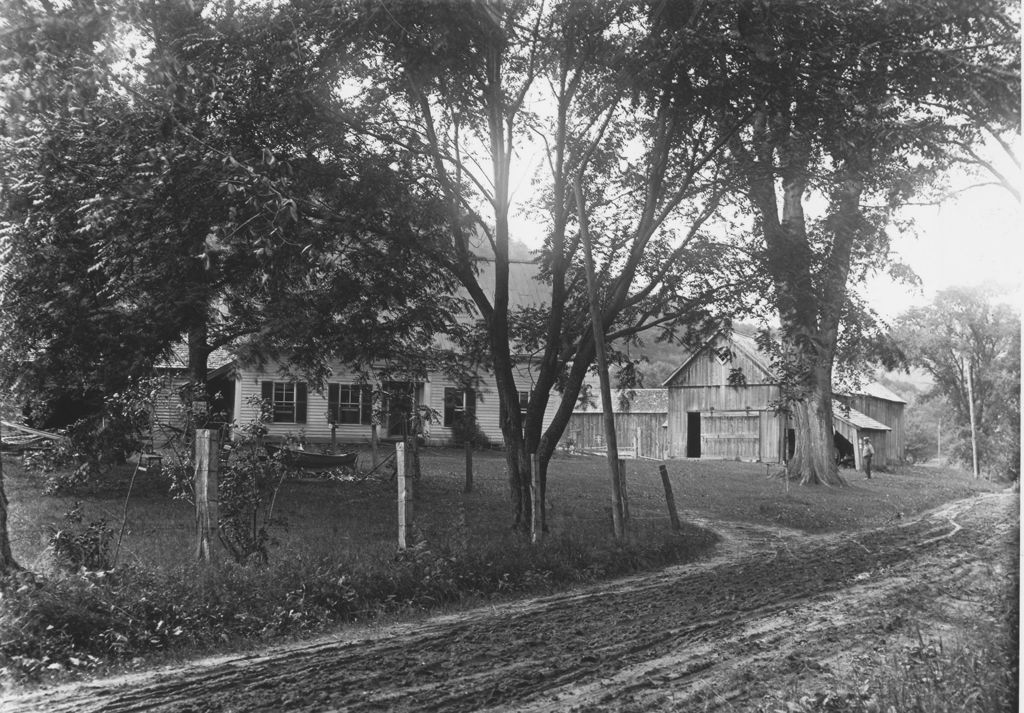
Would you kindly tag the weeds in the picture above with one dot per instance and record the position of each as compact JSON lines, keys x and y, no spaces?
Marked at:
{"x":83,"y":619}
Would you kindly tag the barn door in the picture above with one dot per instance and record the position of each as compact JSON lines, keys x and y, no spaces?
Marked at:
{"x":730,"y":435}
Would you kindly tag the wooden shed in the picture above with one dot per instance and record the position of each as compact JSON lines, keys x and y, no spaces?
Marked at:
{"x":889,"y":409}
{"x":851,"y":427}
{"x":641,"y":430}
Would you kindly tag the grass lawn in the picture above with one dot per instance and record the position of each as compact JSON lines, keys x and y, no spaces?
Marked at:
{"x":344,"y":520}
{"x":335,"y":560}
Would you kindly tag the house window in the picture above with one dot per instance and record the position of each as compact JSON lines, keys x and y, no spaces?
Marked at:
{"x":288,"y":400}
{"x":524,"y":401}
{"x":454,"y":406}
{"x":349,"y":404}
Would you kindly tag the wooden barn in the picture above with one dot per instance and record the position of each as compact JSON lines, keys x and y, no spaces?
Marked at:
{"x":710,"y":418}
{"x":641,"y":428}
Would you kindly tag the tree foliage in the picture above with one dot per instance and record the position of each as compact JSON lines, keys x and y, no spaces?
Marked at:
{"x":175,"y":191}
{"x":854,"y":109}
{"x":968,"y":331}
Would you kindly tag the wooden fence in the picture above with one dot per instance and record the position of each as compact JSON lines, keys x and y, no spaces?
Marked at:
{"x":639,"y":435}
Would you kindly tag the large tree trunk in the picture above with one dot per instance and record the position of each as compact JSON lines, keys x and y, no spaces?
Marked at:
{"x":813,"y":462}
{"x":7,"y":562}
{"x":198,"y":360}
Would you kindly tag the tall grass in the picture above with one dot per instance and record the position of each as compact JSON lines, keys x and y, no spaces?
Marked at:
{"x":68,"y":622}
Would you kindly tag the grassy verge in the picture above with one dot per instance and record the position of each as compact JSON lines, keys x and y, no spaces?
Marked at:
{"x":65,"y":624}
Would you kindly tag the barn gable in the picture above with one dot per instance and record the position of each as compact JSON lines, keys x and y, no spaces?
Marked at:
{"x":707,"y":367}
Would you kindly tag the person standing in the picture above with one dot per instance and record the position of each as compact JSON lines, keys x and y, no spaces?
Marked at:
{"x":867,"y":452}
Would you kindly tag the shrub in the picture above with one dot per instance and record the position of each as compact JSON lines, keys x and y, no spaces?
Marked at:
{"x":75,"y":545}
{"x":467,"y":429}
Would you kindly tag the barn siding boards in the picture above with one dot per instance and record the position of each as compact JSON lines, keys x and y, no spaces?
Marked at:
{"x":736,"y":422}
{"x":640,"y":424}
{"x":891,"y":413}
{"x":586,"y":429}
{"x":701,"y":386}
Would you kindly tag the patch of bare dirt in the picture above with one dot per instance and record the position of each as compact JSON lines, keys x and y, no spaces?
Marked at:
{"x":772,"y":610}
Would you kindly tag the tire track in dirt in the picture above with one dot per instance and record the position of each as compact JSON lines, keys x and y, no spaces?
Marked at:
{"x":691,"y":632}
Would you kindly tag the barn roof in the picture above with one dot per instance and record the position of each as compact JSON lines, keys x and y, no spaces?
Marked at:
{"x":876,"y":390}
{"x":856,"y":419}
{"x":639,"y":401}
{"x":740,"y":342}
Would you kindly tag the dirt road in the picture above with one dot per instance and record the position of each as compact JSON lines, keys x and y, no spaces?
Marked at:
{"x":770,"y":610}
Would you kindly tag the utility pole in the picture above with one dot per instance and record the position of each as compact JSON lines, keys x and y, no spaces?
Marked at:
{"x":970,"y":410}
{"x":597,"y":320}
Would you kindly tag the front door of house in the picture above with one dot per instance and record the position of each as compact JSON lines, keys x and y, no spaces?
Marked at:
{"x":400,"y":405}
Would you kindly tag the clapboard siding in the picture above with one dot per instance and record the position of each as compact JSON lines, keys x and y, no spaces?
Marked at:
{"x":430,"y":392}
{"x":167,"y":413}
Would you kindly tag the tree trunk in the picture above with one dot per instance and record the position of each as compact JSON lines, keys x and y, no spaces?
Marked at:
{"x":7,"y":562}
{"x":812,"y":461}
{"x":198,"y":359}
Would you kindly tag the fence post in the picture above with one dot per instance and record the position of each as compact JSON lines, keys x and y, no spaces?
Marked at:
{"x":673,"y":516}
{"x":535,"y":503}
{"x":622,"y":490}
{"x":206,"y":492}
{"x":404,"y":497}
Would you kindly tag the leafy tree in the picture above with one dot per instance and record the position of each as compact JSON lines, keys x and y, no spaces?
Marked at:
{"x":178,"y":198}
{"x":166,"y":187}
{"x":854,"y":108}
{"x":630,"y":144}
{"x":965,"y":333}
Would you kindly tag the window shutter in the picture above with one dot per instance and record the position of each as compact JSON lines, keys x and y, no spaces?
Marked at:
{"x":300,"y":403}
{"x":268,"y":391}
{"x":332,"y":403}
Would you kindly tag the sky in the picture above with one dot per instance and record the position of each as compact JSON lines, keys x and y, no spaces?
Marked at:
{"x":972,"y":240}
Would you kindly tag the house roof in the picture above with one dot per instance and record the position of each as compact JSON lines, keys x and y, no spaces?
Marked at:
{"x":876,"y":390}
{"x":524,"y":290}
{"x":639,"y":401}
{"x":856,"y":419}
{"x":178,"y":358}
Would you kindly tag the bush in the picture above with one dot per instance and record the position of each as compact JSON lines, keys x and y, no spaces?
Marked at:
{"x":76,"y":546}
{"x":466,"y":429}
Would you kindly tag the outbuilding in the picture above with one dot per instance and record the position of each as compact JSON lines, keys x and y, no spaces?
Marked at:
{"x":723,"y":403}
